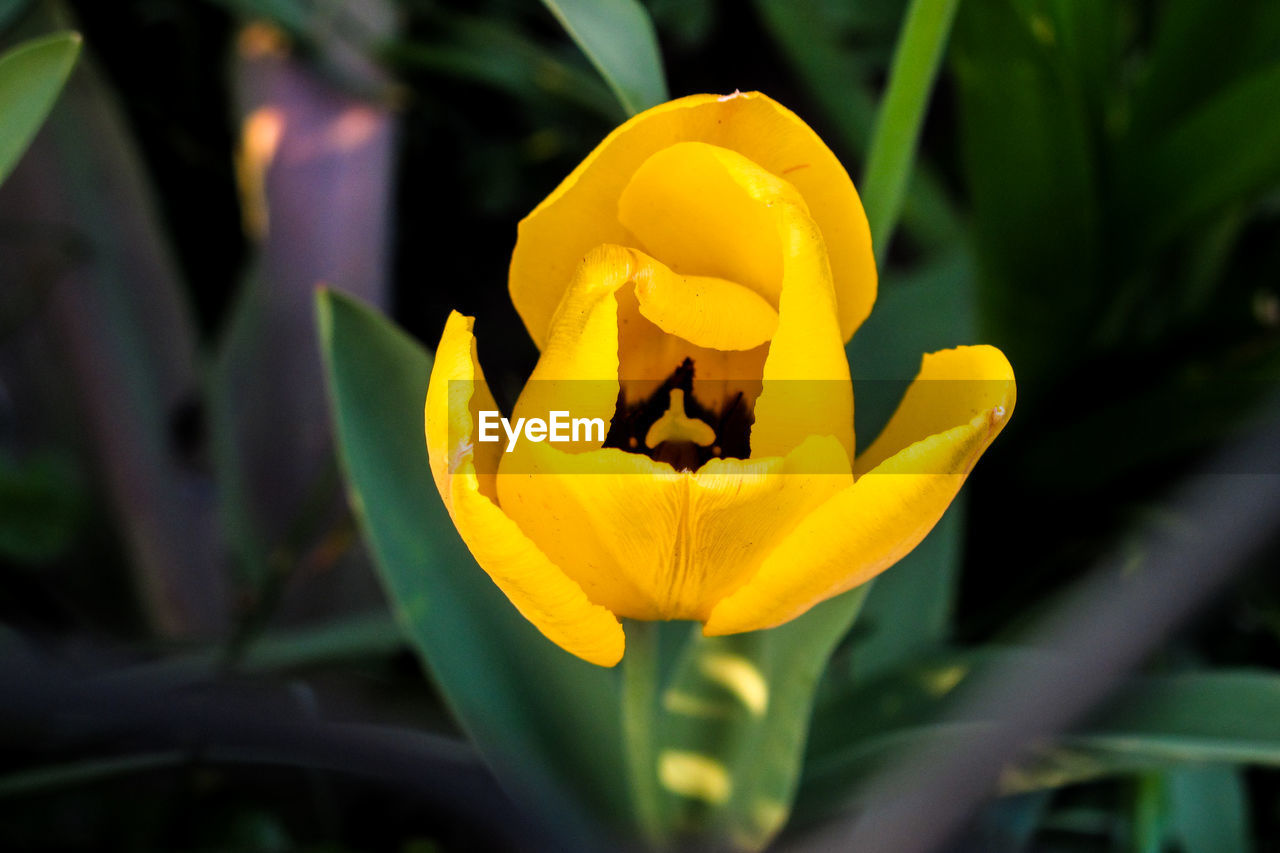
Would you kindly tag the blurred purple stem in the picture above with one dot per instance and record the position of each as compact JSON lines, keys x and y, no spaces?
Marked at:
{"x":316,"y":171}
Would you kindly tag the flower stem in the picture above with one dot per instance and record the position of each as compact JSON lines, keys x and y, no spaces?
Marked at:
{"x":897,"y":129}
{"x":639,"y":711}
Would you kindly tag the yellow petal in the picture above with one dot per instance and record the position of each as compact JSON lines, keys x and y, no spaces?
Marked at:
{"x":710,"y":312}
{"x":651,"y":543}
{"x":950,"y":415}
{"x":708,"y":210}
{"x":582,"y":212}
{"x":806,"y":385}
{"x":626,"y":316}
{"x":705,"y":210}
{"x":542,"y":593}
{"x":578,"y":370}
{"x":953,"y":387}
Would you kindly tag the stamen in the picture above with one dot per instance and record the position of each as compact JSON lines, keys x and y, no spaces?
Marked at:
{"x":675,"y":425}
{"x":672,"y":425}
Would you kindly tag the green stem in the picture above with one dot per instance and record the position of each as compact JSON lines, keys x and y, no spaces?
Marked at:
{"x":639,"y":710}
{"x":897,"y":129}
{"x":1148,"y":814}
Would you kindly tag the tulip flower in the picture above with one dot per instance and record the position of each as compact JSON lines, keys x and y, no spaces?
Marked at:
{"x":693,"y":283}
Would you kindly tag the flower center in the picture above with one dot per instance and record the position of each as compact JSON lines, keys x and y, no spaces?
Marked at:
{"x":671,"y":425}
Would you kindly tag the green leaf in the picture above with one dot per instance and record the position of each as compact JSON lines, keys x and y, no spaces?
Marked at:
{"x":901,"y":116}
{"x":1226,"y":152}
{"x":491,"y":53}
{"x":618,"y":37}
{"x":829,"y":45}
{"x":86,"y":772}
{"x":42,"y":502}
{"x":909,"y":607}
{"x":31,"y":76}
{"x":1196,"y":53}
{"x":744,"y":702}
{"x":546,"y":721}
{"x":1027,"y":140}
{"x":293,"y":16}
{"x":1208,"y":809}
{"x":1154,"y":723}
{"x":10,"y":10}
{"x":1230,"y":716}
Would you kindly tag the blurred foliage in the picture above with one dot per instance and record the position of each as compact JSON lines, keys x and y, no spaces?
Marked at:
{"x":31,"y":75}
{"x":1097,"y":192}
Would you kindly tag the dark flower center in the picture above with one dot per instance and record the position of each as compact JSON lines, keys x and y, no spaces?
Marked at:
{"x":677,"y":428}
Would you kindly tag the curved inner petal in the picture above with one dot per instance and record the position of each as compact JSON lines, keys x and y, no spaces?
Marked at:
{"x":619,"y":326}
{"x":704,"y":210}
{"x":806,"y":384}
{"x":712,"y":313}
{"x":649,"y":352}
{"x":581,"y":213}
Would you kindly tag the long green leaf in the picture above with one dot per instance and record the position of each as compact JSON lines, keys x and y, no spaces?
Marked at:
{"x":31,"y":76}
{"x":897,"y":130}
{"x":1197,"y":53}
{"x":86,"y":772}
{"x":1029,"y":159}
{"x":1155,"y":723}
{"x":545,"y":720}
{"x":495,"y":54}
{"x":1225,"y":153}
{"x":618,"y":37}
{"x":1208,"y":809}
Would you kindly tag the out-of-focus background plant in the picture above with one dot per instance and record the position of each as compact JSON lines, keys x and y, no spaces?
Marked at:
{"x":219,"y":632}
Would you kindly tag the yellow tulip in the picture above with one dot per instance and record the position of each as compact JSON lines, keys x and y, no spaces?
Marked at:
{"x":697,"y":277}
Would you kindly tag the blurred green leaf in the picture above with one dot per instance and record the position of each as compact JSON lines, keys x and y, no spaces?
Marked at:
{"x":31,"y":76}
{"x":901,"y":115}
{"x":689,"y":22}
{"x":1154,"y":723}
{"x":547,"y":720}
{"x":293,"y":16}
{"x":618,"y":37}
{"x":910,"y":606}
{"x":10,"y":10}
{"x":1208,"y":810}
{"x":929,"y":309}
{"x":1028,"y":149}
{"x":41,"y":505}
{"x":1147,"y":824}
{"x":1229,"y":716}
{"x":833,"y":47}
{"x":814,"y":39}
{"x":1196,"y":52}
{"x":745,"y":701}
{"x":86,"y":772}
{"x":347,"y":638}
{"x":494,"y":54}
{"x":1226,"y":152}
